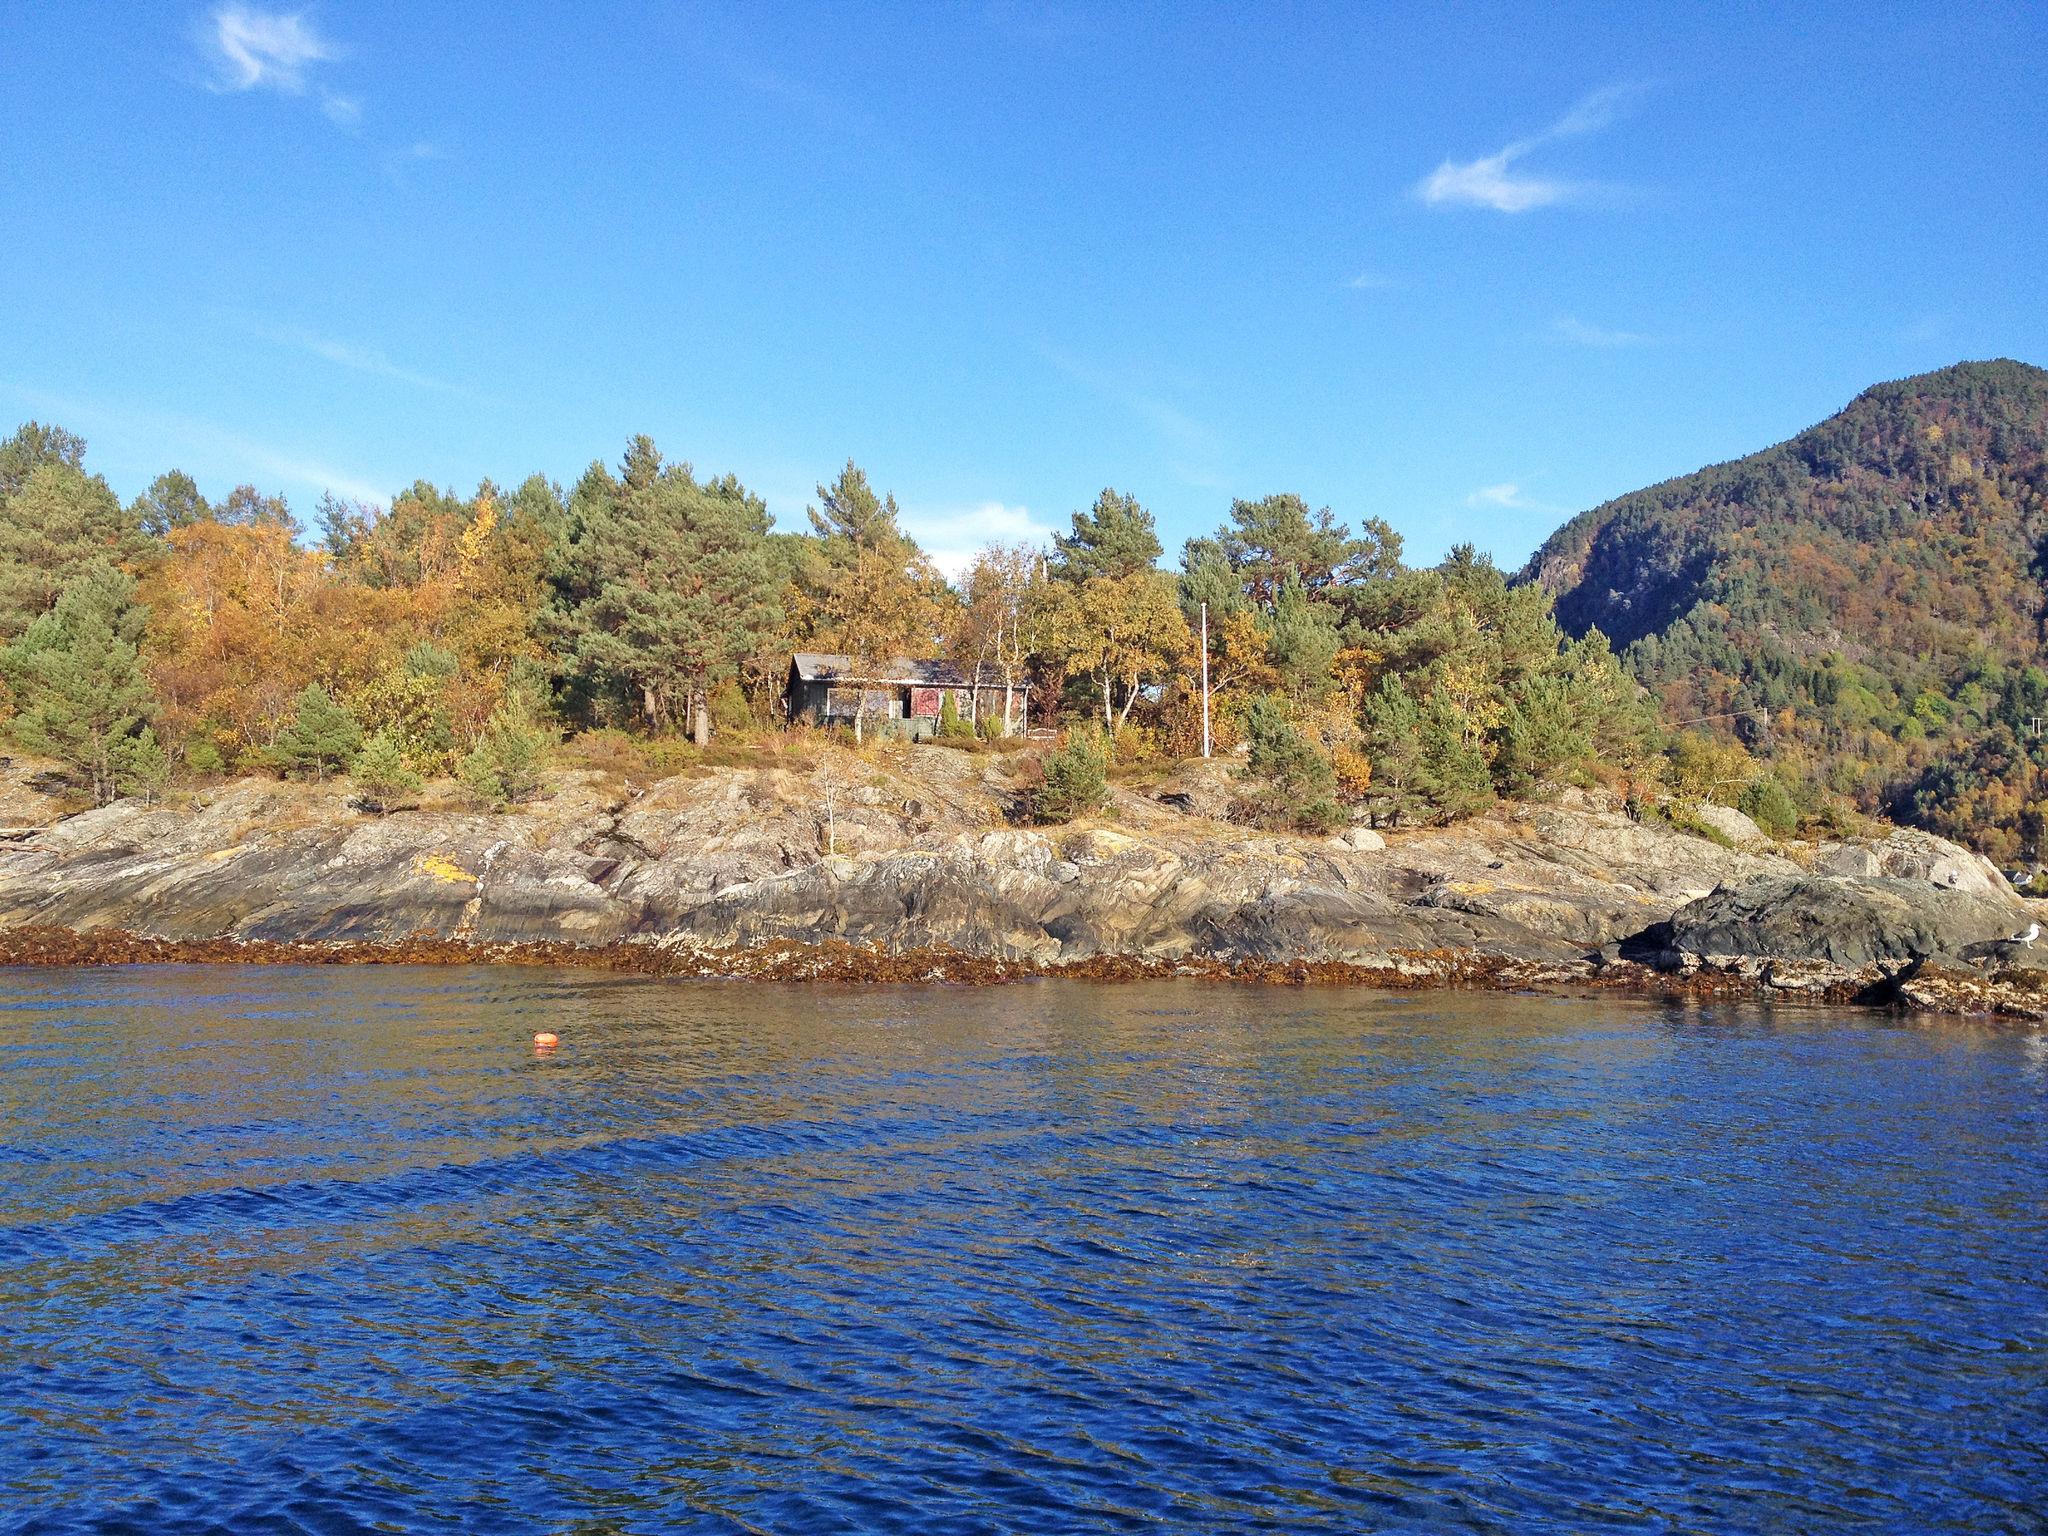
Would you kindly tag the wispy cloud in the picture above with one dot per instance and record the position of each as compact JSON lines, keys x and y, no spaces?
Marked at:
{"x":350,"y":355}
{"x":1507,"y":496}
{"x":257,"y":50}
{"x":209,"y":451}
{"x":1493,"y":181}
{"x":1373,"y":282}
{"x":953,"y":535}
{"x":1567,"y":328}
{"x":1194,"y":448}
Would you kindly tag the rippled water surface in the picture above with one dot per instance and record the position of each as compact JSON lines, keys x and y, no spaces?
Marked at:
{"x":336,"y":1250}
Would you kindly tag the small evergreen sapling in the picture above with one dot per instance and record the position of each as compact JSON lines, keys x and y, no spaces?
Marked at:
{"x":323,"y":736}
{"x":381,"y":776}
{"x":505,"y":767}
{"x":1076,"y":780}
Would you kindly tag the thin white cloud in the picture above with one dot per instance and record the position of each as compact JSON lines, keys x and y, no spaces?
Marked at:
{"x":344,"y":354}
{"x":1567,"y":328}
{"x":1493,"y":181}
{"x":249,"y":49}
{"x":952,"y":536}
{"x":1372,"y":282}
{"x":1194,"y":447}
{"x":209,"y":451}
{"x":1507,"y":496}
{"x":270,"y":50}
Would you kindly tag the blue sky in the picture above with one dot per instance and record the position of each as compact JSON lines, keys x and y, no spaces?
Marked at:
{"x":1467,"y":272}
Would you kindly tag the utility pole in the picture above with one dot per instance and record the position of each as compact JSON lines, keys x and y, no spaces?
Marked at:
{"x":1205,"y":679}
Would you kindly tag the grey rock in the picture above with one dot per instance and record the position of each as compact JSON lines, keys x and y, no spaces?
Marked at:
{"x":917,"y":849}
{"x":1856,"y":860}
{"x":1836,"y":919}
{"x":1730,"y":823}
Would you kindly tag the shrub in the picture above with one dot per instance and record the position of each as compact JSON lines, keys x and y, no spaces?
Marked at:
{"x":382,"y":778}
{"x":505,"y":767}
{"x":729,"y":708}
{"x":1768,"y":805}
{"x":1354,"y":771}
{"x":323,"y":737}
{"x":1703,"y":767}
{"x":1292,"y":781}
{"x":951,"y":726}
{"x":142,"y":767}
{"x":204,"y":758}
{"x":1076,"y":780}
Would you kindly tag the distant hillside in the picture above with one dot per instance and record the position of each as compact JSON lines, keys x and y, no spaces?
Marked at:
{"x":1875,"y":583}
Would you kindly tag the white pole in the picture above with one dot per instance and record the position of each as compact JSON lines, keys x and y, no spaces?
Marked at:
{"x":1205,"y":679}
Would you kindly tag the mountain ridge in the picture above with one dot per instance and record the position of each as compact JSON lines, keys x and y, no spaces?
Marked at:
{"x":1866,"y":596}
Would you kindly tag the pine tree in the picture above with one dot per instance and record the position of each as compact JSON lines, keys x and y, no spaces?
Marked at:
{"x":78,"y":678}
{"x":1301,"y":638}
{"x":171,"y":502}
{"x":505,"y":766}
{"x":54,"y":523}
{"x":1076,"y":779}
{"x":1291,"y":780}
{"x":141,"y":766}
{"x":667,"y":581}
{"x":852,"y":517}
{"x":323,"y":736}
{"x":1118,"y":538}
{"x":381,"y":775}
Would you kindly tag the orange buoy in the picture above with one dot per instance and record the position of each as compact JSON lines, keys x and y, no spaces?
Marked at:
{"x":546,"y":1040}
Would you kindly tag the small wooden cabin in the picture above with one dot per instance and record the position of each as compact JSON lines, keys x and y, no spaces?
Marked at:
{"x":903,"y":697}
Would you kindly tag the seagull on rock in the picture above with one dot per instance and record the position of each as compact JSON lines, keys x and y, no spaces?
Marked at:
{"x":2033,"y":932}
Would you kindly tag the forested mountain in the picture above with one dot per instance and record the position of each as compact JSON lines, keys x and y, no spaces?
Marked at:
{"x":1871,"y":593}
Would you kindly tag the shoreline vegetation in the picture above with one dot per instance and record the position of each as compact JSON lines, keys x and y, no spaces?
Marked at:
{"x":559,"y":726}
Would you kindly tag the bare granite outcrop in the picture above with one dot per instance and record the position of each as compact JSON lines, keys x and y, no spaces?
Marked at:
{"x":919,"y":850}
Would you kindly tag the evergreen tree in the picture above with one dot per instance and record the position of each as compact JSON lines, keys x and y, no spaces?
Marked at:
{"x":1291,"y":780}
{"x":1266,"y":539}
{"x":1302,"y":641}
{"x":1393,"y":737}
{"x":1118,"y":538}
{"x":141,"y":766}
{"x":1076,"y":779}
{"x":78,"y":679}
{"x":505,"y":768}
{"x":668,"y":582}
{"x":171,"y":502}
{"x":1454,"y":774}
{"x":33,"y":446}
{"x":1542,"y":730}
{"x":322,"y":737}
{"x":381,"y":775}
{"x":55,"y":523}
{"x":850,"y":517}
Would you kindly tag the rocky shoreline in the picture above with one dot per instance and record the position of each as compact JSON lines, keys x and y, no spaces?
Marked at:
{"x":907,"y":866}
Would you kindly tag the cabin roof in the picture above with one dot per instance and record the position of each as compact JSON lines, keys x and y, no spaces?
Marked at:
{"x":899,"y":672}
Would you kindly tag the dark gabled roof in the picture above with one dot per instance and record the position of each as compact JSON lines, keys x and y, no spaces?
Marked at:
{"x":900,"y":672}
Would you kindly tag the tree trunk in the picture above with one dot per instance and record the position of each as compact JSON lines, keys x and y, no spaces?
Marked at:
{"x":700,"y":721}
{"x":1129,"y":699}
